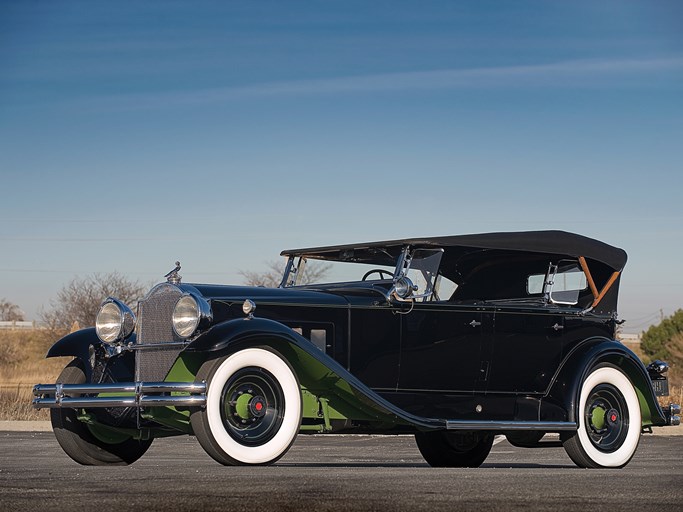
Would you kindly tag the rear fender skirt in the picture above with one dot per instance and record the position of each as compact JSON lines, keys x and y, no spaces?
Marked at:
{"x":566,"y":386}
{"x":313,"y":367}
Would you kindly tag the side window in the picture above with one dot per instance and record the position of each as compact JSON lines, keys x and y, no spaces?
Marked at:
{"x":444,"y":288}
{"x":534,"y":284}
{"x":423,"y":272}
{"x":562,"y":284}
{"x":567,"y":286}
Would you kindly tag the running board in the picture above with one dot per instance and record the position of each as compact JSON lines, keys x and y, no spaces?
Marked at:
{"x":502,"y":426}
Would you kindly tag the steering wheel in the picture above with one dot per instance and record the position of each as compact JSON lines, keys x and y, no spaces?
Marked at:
{"x":379,"y":271}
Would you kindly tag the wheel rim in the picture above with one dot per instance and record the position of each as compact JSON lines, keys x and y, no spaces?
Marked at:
{"x":606,"y":418}
{"x":462,"y":442}
{"x":253,"y":406}
{"x":106,"y":435}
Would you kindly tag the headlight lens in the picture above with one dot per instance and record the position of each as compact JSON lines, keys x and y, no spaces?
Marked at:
{"x":115,"y":321}
{"x":186,"y":316}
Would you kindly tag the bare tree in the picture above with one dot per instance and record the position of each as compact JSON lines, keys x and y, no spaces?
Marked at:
{"x":314,"y":272}
{"x":78,"y":302}
{"x":10,"y":312}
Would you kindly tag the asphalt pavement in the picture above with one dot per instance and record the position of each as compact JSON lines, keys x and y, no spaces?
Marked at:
{"x":342,"y":473}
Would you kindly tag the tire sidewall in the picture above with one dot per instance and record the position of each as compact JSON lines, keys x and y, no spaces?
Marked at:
{"x":276,"y":446}
{"x":78,"y":440}
{"x":622,"y":455}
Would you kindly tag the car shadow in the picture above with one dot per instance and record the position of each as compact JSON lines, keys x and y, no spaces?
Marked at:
{"x":417,"y":465}
{"x":524,"y":465}
{"x":351,"y":465}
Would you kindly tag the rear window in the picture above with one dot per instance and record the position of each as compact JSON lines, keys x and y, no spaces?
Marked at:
{"x":563,"y":285}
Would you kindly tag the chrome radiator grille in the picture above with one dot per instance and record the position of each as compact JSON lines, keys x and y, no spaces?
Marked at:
{"x":154,"y":326}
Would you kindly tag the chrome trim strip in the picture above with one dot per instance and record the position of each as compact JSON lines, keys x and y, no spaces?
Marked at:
{"x":108,"y":401}
{"x":168,"y":387}
{"x":58,"y":395}
{"x":144,"y":346}
{"x":63,"y":389}
{"x":546,"y":426}
{"x":162,"y":401}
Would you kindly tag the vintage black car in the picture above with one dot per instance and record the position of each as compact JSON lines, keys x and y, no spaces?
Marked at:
{"x":454,"y":339}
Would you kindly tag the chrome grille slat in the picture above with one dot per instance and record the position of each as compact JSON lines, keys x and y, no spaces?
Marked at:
{"x":154,"y":327}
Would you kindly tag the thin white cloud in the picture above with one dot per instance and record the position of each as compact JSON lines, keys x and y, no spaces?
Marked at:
{"x":545,"y":74}
{"x":575,"y":73}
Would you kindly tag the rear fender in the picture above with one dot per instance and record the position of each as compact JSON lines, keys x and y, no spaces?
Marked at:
{"x":566,"y":386}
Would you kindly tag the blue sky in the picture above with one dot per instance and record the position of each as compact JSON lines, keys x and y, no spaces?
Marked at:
{"x":133,"y":134}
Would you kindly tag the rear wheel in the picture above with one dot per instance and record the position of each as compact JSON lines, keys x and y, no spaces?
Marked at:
{"x":90,"y":445}
{"x":253,"y":407}
{"x":609,"y":421}
{"x":444,"y":449}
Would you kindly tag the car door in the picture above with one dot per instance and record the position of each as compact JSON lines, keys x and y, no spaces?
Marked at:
{"x":374,"y":345}
{"x":440,"y":348}
{"x":525,"y":349}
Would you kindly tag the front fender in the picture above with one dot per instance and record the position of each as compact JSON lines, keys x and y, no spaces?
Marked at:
{"x":315,"y":369}
{"x":566,"y":386}
{"x":224,"y":335}
{"x":77,"y":344}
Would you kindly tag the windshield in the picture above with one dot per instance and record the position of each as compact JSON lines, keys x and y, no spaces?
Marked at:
{"x":419,"y":265}
{"x":331,"y":272}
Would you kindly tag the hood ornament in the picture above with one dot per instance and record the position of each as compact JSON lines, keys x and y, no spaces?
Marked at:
{"x":173,"y":277}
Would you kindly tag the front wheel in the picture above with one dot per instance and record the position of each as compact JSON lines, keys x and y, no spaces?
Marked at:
{"x":443,"y":449}
{"x":253,"y":407}
{"x":609,"y":421}
{"x":87,"y":444}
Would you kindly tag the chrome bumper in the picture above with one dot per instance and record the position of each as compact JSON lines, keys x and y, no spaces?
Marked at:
{"x":135,"y":394}
{"x":673,"y":414}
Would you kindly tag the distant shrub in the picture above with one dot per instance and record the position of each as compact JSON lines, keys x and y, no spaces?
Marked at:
{"x":11,"y":352}
{"x":665,"y":341}
{"x":78,"y":302}
{"x":657,"y":340}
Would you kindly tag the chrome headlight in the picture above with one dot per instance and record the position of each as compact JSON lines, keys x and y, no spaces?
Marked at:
{"x":115,"y":321}
{"x":403,"y":287}
{"x":190,"y":313}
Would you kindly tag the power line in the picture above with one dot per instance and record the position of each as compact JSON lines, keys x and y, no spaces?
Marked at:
{"x":646,"y":317}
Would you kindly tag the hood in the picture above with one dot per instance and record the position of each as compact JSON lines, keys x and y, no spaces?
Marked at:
{"x":261,"y":294}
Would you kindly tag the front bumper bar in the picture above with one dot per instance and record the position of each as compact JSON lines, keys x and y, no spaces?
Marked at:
{"x":124,"y":394}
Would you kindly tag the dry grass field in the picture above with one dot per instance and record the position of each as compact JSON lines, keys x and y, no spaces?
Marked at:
{"x":23,"y":364}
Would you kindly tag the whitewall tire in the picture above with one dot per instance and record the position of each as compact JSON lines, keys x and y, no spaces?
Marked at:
{"x":253,"y":407}
{"x":609,"y":421}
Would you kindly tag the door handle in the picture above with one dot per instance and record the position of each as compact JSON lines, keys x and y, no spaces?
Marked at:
{"x":474,"y":323}
{"x":557,"y":327}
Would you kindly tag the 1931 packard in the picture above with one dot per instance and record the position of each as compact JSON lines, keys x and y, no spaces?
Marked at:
{"x":453,"y":339}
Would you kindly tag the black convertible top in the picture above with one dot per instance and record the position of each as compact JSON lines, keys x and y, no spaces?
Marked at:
{"x":547,"y":242}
